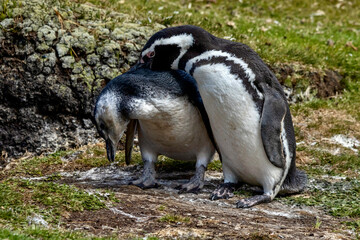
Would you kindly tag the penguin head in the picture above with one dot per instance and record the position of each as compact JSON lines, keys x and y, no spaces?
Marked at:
{"x":110,"y":123}
{"x":166,"y":48}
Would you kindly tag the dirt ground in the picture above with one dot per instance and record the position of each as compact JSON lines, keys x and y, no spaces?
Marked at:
{"x":145,"y":213}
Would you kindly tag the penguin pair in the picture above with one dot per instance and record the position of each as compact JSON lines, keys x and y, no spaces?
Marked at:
{"x":166,"y":110}
{"x":248,"y":112}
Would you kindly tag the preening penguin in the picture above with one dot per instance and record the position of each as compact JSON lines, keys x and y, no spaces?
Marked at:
{"x":246,"y":105}
{"x":167,"y":110}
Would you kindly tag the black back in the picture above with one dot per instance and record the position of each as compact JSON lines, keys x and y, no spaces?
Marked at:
{"x":141,"y":82}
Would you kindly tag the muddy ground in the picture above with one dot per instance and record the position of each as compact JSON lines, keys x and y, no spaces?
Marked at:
{"x":165,"y":214}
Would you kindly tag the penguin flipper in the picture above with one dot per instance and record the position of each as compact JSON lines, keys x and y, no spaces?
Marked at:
{"x":129,"y":142}
{"x":272,"y":121}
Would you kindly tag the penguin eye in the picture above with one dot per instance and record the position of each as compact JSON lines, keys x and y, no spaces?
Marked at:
{"x":150,"y":54}
{"x":102,"y":126}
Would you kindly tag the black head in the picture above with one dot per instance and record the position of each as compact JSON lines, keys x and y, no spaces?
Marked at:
{"x":166,"y":48}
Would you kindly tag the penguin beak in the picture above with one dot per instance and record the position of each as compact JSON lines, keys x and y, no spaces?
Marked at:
{"x":110,"y":150}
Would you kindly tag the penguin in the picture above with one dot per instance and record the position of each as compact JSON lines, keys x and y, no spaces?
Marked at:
{"x":248,"y":112}
{"x":166,"y":109}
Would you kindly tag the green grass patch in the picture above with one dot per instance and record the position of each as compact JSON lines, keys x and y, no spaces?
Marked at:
{"x":215,"y":165}
{"x":39,"y":166}
{"x":340,"y":199}
{"x":328,"y":163}
{"x":21,"y":198}
{"x":32,"y":233}
{"x":279,"y":31}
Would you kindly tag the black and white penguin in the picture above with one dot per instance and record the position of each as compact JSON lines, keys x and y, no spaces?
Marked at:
{"x":247,"y":108}
{"x":168,"y":113}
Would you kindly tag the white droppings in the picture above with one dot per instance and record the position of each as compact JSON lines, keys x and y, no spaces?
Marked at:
{"x":121,"y":212}
{"x":37,"y":219}
{"x":347,"y":142}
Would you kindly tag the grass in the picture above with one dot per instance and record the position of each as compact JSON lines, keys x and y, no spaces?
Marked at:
{"x":20,"y":199}
{"x":32,"y":233}
{"x":295,"y":32}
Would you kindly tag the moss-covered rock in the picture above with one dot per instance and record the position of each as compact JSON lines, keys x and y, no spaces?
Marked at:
{"x":55,"y":58}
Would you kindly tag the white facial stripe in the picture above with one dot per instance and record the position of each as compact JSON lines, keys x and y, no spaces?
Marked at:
{"x":184,"y":41}
{"x":217,"y":53}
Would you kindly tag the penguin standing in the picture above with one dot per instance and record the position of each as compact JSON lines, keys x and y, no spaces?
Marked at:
{"x":168,"y":112}
{"x":247,"y":108}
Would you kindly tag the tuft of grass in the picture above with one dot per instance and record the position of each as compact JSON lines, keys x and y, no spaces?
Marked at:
{"x":215,"y":165}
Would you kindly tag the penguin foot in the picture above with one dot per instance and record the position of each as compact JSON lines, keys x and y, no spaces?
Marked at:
{"x":252,"y":201}
{"x":145,"y":183}
{"x":191,"y":187}
{"x":224,"y":191}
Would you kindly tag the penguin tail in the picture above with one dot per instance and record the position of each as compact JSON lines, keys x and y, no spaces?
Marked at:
{"x":295,"y":182}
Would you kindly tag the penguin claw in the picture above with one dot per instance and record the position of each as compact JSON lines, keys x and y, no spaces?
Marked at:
{"x":144,"y":184}
{"x":252,"y":201}
{"x":224,"y":191}
{"x":189,"y":188}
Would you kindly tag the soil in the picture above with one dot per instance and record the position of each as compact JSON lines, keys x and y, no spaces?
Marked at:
{"x":141,"y":212}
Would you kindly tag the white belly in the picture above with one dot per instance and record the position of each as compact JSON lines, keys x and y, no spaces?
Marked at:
{"x":177,"y":131}
{"x":235,"y":122}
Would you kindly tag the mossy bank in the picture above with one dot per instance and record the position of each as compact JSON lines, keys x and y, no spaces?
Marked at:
{"x":55,"y":58}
